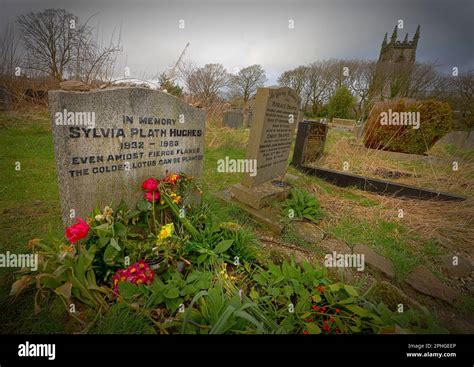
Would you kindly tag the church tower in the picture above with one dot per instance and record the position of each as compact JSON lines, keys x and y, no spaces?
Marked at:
{"x":394,"y":66}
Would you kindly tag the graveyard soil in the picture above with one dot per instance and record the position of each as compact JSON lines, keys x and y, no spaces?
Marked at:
{"x":29,"y":207}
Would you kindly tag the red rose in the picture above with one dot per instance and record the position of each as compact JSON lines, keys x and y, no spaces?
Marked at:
{"x":150,"y":184}
{"x":77,"y":231}
{"x":152,"y":195}
{"x":172,"y":179}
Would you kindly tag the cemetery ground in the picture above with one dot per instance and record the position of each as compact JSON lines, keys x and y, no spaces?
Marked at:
{"x":402,"y":253}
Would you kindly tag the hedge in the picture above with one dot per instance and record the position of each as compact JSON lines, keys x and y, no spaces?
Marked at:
{"x":435,"y":120}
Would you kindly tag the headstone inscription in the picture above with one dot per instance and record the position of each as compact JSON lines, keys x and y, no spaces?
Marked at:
{"x":275,"y":116}
{"x":310,"y":141}
{"x":107,"y":142}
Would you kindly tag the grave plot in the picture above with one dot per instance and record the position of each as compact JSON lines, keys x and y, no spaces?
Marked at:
{"x":410,"y":152}
{"x":326,"y":219}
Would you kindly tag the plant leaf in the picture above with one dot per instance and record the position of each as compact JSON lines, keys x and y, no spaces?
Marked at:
{"x":64,"y":290}
{"x":21,"y":284}
{"x":114,"y":244}
{"x":223,"y":246}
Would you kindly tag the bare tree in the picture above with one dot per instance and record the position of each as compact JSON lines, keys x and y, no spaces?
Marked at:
{"x":318,"y":85}
{"x":9,"y":56}
{"x":425,"y":82}
{"x":49,"y":40}
{"x":461,"y":98}
{"x":9,"y":61}
{"x":295,"y":79}
{"x":95,"y":62}
{"x":55,"y":43}
{"x":245,"y":84}
{"x":207,"y":83}
{"x":360,"y":76}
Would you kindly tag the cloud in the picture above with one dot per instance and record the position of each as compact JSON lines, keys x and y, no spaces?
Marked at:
{"x":241,"y":33}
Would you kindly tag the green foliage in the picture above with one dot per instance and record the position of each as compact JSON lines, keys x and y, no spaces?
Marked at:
{"x":341,"y":103}
{"x":171,"y":291}
{"x":318,"y":305}
{"x":435,"y":122}
{"x":66,"y":271}
{"x":121,"y":319}
{"x":219,"y":312}
{"x":224,"y":241}
{"x":412,"y":321}
{"x":111,"y":232}
{"x":303,"y":204}
{"x":170,"y":86}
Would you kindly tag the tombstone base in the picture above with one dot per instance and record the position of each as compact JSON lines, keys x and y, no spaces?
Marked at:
{"x":267,"y":216}
{"x":261,"y":195}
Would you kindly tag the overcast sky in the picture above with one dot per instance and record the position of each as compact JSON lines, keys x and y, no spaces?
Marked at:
{"x":241,"y":33}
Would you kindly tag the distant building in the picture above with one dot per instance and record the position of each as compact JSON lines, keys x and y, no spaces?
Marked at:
{"x":394,"y":67}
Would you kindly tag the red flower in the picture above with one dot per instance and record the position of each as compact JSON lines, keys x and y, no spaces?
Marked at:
{"x":77,"y":231}
{"x":338,"y":310}
{"x":326,"y":326}
{"x":152,"y":195}
{"x":305,"y":332}
{"x":138,"y":273}
{"x":150,"y":185}
{"x":310,"y":319}
{"x":172,"y":179}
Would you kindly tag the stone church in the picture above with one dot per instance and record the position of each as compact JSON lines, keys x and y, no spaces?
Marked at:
{"x":394,"y":66}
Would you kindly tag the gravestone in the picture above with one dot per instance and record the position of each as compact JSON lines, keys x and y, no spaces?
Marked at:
{"x":343,"y":124}
{"x":107,"y":142}
{"x":233,"y":119}
{"x":275,"y":116}
{"x":460,"y":139}
{"x":359,"y":130}
{"x":310,"y":141}
{"x":5,"y":99}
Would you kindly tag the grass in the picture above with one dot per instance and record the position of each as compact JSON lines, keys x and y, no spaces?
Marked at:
{"x":434,"y":172}
{"x":29,"y":207}
{"x":389,"y":239}
{"x":359,"y":199}
{"x":121,"y":320}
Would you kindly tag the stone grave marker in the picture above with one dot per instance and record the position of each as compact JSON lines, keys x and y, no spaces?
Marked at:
{"x":275,"y":116}
{"x":233,"y":119}
{"x":310,"y":141}
{"x":343,"y":124}
{"x":5,"y":99}
{"x":107,"y":142}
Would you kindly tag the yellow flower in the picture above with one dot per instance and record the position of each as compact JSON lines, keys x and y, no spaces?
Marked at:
{"x":166,"y":231}
{"x":176,"y":198}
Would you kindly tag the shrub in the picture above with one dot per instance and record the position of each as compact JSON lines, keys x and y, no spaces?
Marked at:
{"x":341,"y":103}
{"x":435,"y":121}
